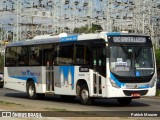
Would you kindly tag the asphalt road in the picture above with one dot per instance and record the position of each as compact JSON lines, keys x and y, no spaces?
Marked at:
{"x":142,"y":104}
{"x":103,"y":107}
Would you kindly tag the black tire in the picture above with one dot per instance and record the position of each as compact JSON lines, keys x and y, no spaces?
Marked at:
{"x":78,"y":88}
{"x":1,"y":85}
{"x":31,"y":90}
{"x":124,"y":101}
{"x":84,"y":95}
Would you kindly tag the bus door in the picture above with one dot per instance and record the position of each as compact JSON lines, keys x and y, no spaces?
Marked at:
{"x":99,"y":69}
{"x":49,"y":69}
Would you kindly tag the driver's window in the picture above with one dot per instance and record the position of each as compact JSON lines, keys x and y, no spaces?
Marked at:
{"x":143,"y":59}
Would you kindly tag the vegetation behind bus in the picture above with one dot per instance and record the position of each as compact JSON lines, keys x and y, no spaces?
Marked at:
{"x":1,"y":62}
{"x":87,"y":29}
{"x":157,"y":53}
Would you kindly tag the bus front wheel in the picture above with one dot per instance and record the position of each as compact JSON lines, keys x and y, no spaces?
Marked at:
{"x":124,"y":101}
{"x":31,"y":90}
{"x":84,"y":95}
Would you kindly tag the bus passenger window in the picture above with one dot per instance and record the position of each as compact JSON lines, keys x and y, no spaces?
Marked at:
{"x":35,"y":55}
{"x":22,"y":56}
{"x":11,"y":56}
{"x":82,"y":55}
{"x":21,"y":61}
{"x":33,"y":60}
{"x":65,"y":55}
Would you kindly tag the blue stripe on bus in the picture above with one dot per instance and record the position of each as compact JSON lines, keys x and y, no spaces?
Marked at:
{"x":24,"y":78}
{"x":116,"y":81}
{"x":122,"y":84}
{"x":145,"y":86}
{"x":113,"y":34}
{"x":68,"y":39}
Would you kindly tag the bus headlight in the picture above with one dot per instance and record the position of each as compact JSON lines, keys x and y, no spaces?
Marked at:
{"x":113,"y":83}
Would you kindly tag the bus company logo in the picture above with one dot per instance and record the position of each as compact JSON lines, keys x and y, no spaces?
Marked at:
{"x":70,"y":38}
{"x":30,"y":73}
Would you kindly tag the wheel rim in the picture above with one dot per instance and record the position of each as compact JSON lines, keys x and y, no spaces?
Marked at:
{"x":84,"y":94}
{"x":31,"y":90}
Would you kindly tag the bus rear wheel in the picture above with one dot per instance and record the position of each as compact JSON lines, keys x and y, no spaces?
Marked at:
{"x":124,"y":101}
{"x":84,"y":95}
{"x":31,"y":90}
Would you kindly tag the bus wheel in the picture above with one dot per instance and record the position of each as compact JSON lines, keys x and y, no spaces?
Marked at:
{"x":31,"y":90}
{"x":84,"y":95}
{"x":124,"y":101}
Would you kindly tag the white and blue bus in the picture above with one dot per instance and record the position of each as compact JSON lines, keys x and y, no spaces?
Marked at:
{"x":100,"y":65}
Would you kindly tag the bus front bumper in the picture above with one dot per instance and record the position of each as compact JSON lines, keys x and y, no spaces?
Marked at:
{"x":112,"y":92}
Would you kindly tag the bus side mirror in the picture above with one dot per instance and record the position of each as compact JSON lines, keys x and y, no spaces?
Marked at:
{"x":108,"y":55}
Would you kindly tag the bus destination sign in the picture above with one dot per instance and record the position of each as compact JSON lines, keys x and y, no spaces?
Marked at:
{"x":129,"y":39}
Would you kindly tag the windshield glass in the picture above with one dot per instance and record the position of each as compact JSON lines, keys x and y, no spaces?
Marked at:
{"x":131,"y":61}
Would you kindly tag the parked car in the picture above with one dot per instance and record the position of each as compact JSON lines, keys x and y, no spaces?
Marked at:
{"x":158,"y":83}
{"x":1,"y":80}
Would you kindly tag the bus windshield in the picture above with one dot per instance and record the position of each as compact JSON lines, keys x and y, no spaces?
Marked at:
{"x":131,"y":61}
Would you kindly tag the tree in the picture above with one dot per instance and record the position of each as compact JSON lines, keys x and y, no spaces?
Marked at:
{"x":96,"y":27}
{"x":87,"y":29}
{"x":157,"y":54}
{"x":1,"y":60}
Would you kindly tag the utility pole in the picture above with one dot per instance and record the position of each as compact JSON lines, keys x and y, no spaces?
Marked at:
{"x":18,"y":20}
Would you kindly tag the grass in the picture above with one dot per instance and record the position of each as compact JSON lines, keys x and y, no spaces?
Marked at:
{"x":158,"y":92}
{"x":8,"y":103}
{"x":67,"y":113}
{"x":55,"y":109}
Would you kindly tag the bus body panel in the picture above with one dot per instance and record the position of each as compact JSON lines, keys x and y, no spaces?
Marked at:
{"x":16,"y":78}
{"x":14,"y":83}
{"x":64,"y":80}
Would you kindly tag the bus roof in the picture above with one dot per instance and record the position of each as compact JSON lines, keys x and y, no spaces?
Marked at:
{"x":63,"y":37}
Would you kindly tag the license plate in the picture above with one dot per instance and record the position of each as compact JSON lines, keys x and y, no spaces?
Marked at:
{"x":135,"y":95}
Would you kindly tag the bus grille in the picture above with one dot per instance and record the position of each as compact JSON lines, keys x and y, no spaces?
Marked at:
{"x":134,"y":79}
{"x":129,"y":92}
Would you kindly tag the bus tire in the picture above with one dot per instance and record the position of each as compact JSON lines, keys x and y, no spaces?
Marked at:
{"x":1,"y":86}
{"x":31,"y":90}
{"x":84,"y":95}
{"x":124,"y":101}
